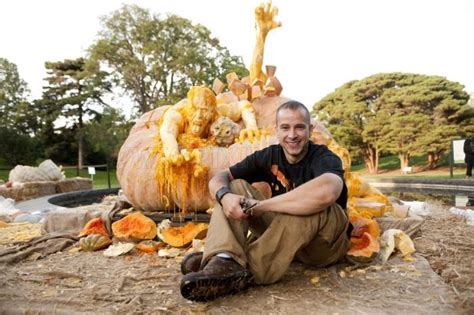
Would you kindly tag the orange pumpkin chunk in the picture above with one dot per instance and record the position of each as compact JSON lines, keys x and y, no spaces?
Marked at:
{"x":184,"y":235}
{"x":134,"y":226}
{"x":363,"y":248}
{"x":94,"y":226}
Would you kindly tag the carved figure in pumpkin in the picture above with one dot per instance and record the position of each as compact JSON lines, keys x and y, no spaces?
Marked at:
{"x":224,"y":131}
{"x":188,"y":123}
{"x":264,"y":21}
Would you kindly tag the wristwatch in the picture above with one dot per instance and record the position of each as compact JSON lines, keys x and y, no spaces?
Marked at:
{"x":221,"y":193}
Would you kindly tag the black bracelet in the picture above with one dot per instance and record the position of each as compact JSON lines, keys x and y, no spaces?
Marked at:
{"x":221,"y":193}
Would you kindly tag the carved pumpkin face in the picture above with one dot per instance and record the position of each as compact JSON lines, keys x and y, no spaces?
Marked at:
{"x":203,"y":102}
{"x":225,"y":131}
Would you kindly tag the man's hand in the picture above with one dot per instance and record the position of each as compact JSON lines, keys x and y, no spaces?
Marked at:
{"x":232,"y":208}
{"x":251,"y":207}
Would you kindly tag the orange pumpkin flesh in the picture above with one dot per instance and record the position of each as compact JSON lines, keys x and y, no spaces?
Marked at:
{"x":134,"y":226}
{"x":362,"y":225}
{"x":94,"y":226}
{"x":363,"y":248}
{"x":149,"y":247}
{"x":184,"y":235}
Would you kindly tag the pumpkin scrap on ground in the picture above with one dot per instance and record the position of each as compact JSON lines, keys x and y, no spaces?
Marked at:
{"x":363,"y":248}
{"x":396,"y":239}
{"x":93,"y":242}
{"x":94,"y":226}
{"x":118,"y":249}
{"x":134,"y":226}
{"x":149,"y":246}
{"x":362,"y":225}
{"x":183,"y":236}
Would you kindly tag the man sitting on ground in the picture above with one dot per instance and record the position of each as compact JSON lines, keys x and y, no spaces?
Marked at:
{"x":304,"y":220}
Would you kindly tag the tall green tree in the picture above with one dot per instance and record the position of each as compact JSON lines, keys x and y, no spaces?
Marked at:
{"x":13,"y":92}
{"x":155,"y":60}
{"x":17,"y":145}
{"x":75,"y":92}
{"x":106,"y":134}
{"x":400,"y":113}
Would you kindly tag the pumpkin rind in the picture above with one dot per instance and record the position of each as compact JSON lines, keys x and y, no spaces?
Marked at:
{"x":93,"y":242}
{"x":363,"y":248}
{"x":395,"y":239}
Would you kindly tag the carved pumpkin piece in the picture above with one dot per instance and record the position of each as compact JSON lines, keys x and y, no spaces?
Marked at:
{"x":134,"y":226}
{"x":363,"y":248}
{"x":94,"y":242}
{"x":149,"y":246}
{"x":362,"y":225}
{"x":184,"y":235}
{"x":94,"y":226}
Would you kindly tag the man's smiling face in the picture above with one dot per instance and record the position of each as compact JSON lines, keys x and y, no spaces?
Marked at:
{"x":293,"y":130}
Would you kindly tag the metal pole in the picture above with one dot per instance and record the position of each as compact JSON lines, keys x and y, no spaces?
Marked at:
{"x":451,"y":158}
{"x":108,"y":173}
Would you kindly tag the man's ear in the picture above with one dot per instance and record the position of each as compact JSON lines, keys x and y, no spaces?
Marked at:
{"x":311,"y":128}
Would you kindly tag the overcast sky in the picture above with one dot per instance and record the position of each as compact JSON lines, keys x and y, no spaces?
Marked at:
{"x":321,"y":45}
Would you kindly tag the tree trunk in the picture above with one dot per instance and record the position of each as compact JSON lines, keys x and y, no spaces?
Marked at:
{"x":404,"y":160}
{"x":433,"y":159}
{"x":80,"y":140}
{"x":371,"y":159}
{"x":80,"y":150}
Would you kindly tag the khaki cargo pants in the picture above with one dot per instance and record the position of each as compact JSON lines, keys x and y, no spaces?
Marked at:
{"x":277,"y":239}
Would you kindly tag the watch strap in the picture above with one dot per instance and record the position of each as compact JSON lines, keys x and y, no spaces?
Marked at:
{"x":221,"y":193}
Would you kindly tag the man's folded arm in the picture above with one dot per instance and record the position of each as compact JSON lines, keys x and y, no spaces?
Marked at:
{"x":308,"y":198}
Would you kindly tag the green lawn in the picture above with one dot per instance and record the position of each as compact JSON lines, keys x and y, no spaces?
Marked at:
{"x":100,"y":178}
{"x":390,"y":165}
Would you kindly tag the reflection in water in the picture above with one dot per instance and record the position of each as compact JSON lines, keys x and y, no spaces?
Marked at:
{"x":445,"y":197}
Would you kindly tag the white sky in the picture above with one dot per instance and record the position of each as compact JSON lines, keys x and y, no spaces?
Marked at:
{"x":321,"y":45}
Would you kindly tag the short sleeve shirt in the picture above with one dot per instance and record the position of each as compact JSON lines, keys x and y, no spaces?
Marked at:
{"x":271,"y":166}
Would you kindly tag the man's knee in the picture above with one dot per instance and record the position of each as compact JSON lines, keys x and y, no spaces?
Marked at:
{"x":243,"y":188}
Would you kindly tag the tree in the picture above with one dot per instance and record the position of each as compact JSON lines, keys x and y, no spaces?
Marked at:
{"x":13,"y":92}
{"x":155,"y":60}
{"x":75,"y":93}
{"x":400,"y":113}
{"x":16,"y":143}
{"x":17,"y":148}
{"x":106,"y":133}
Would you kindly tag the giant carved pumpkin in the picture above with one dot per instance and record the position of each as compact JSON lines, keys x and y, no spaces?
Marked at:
{"x":137,"y":164}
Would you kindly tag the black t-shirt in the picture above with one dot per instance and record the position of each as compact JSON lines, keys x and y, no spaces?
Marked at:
{"x":270,"y":165}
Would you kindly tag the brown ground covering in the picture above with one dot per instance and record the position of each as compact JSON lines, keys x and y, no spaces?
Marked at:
{"x":69,"y":282}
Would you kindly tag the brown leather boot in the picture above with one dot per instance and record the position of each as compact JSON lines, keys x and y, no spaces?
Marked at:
{"x":191,"y":263}
{"x":221,"y":276}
